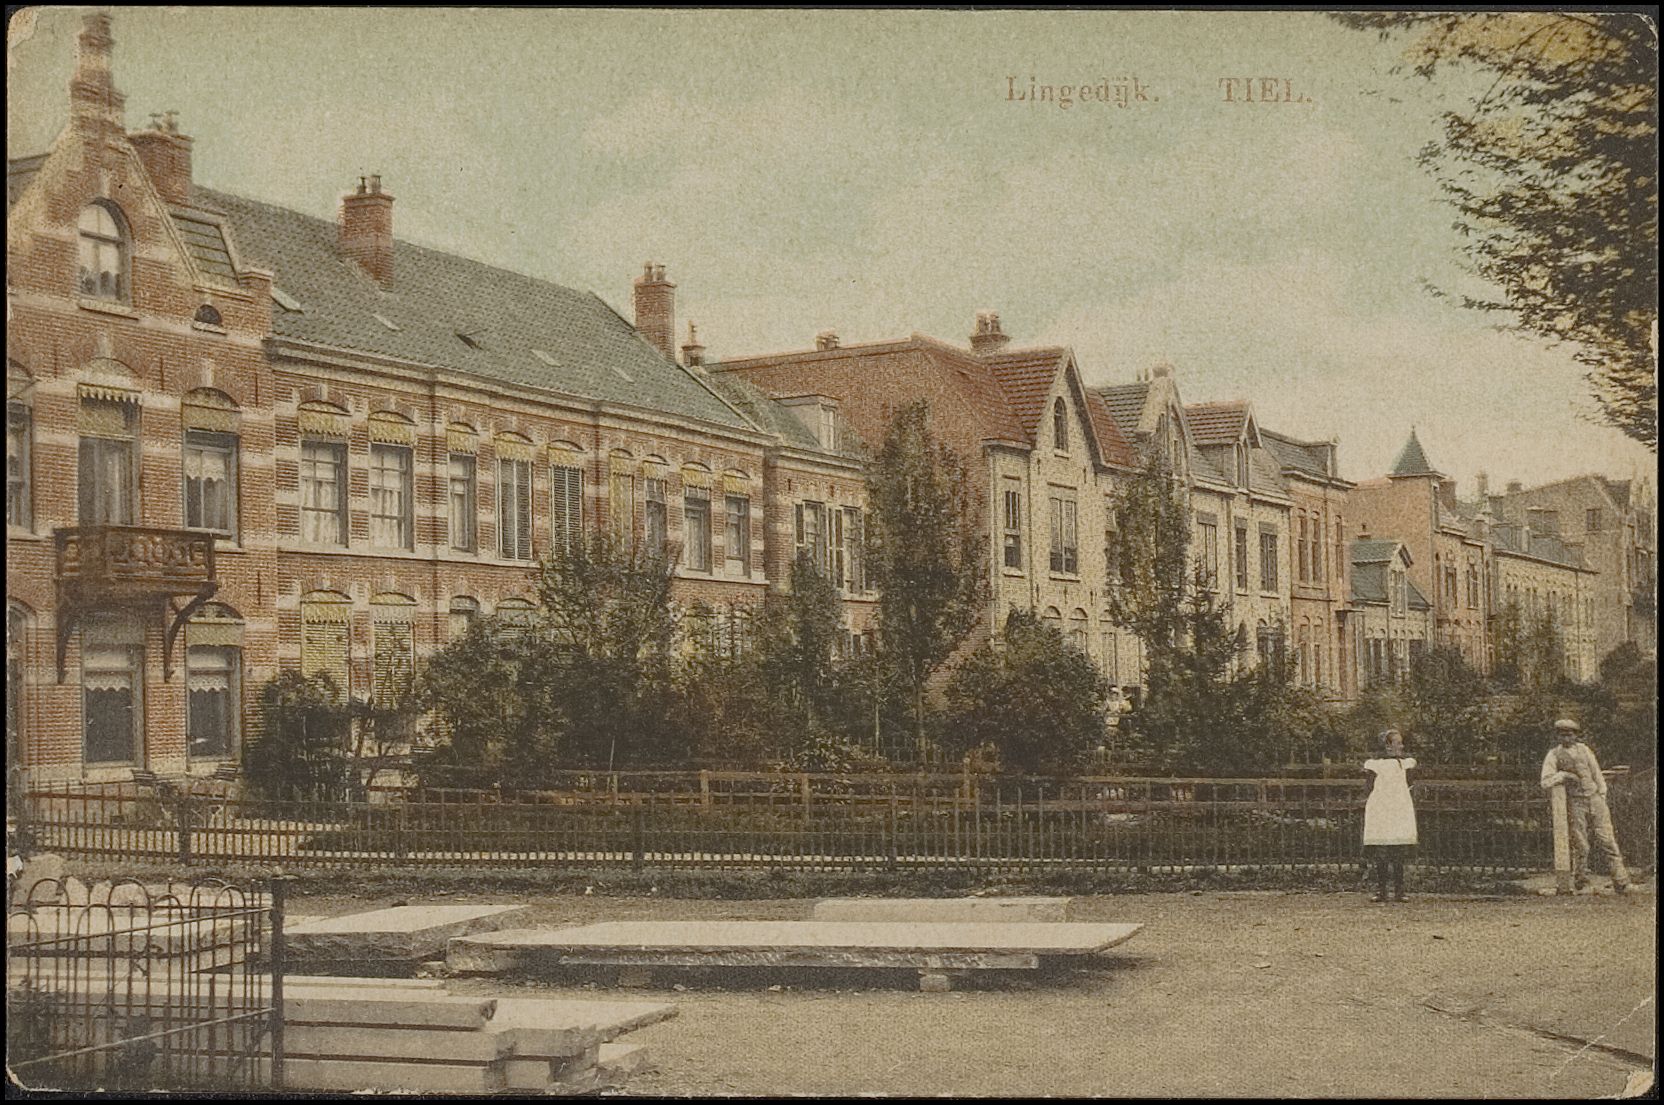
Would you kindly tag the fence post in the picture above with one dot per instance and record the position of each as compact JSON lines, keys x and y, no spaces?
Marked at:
{"x":705,"y":788}
{"x":182,"y":818}
{"x":890,"y":846}
{"x":279,"y":965}
{"x":640,"y":857}
{"x":1562,"y":842}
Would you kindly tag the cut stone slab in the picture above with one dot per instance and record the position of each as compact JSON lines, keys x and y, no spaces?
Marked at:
{"x":365,"y":1074}
{"x":390,"y":1008}
{"x":560,"y":1029}
{"x":623,"y":1061}
{"x":358,"y":1042}
{"x":941,"y":909}
{"x":404,"y":933}
{"x":938,"y":946}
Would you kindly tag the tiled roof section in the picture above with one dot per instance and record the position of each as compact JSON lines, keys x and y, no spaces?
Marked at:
{"x":978,"y":384}
{"x":1618,"y":489}
{"x":1117,"y":449}
{"x":1126,"y":405}
{"x":582,"y":347}
{"x":1417,"y":600}
{"x":1026,"y":377}
{"x":1217,"y":423}
{"x":765,"y":412}
{"x":1369,"y":582}
{"x":19,"y":172}
{"x":1412,"y":461}
{"x":1511,"y":537}
{"x":1203,"y":467}
{"x":1307,"y":456}
{"x":1264,"y":471}
{"x":1373,"y":552}
{"x":206,"y":243}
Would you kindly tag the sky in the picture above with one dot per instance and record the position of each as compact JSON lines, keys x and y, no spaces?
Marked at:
{"x":888,"y":172}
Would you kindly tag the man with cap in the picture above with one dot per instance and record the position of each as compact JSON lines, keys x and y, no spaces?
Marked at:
{"x":1571,"y":763}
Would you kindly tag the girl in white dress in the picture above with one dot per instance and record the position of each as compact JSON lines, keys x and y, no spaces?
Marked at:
{"x":1389,"y":814}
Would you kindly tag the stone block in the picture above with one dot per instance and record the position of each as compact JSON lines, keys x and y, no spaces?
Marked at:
{"x":360,"y":1042}
{"x":401,"y":933}
{"x":387,"y":1007}
{"x":937,"y":910}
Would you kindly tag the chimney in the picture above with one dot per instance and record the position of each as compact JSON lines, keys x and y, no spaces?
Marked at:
{"x":1160,"y":371}
{"x":826,"y":339}
{"x":367,"y":230}
{"x":989,"y":338}
{"x":656,"y":308}
{"x":167,"y":158}
{"x":693,"y":354}
{"x":94,"y":102}
{"x":1515,"y":487}
{"x":1484,"y":482}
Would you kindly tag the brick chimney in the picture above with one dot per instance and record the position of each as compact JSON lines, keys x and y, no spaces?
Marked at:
{"x":693,"y":354}
{"x":826,"y":339}
{"x":656,"y":308}
{"x":367,"y":230}
{"x":94,"y":103}
{"x":989,"y":338}
{"x":167,"y":158}
{"x":1484,"y":482}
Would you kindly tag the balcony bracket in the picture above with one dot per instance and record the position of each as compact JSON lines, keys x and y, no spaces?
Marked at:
{"x":178,"y":616}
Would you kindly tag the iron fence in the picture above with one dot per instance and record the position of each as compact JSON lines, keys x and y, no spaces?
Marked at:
{"x":738,"y":820}
{"x":127,"y":987}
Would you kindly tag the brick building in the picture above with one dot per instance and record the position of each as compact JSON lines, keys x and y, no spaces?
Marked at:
{"x":241,"y":438}
{"x":1042,"y":449}
{"x":1393,"y":621}
{"x":1450,"y":561}
{"x":1612,"y":526}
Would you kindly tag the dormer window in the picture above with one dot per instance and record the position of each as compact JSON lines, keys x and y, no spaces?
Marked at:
{"x":208,"y":315}
{"x":103,"y":257}
{"x":1060,"y":426}
{"x":829,"y":428}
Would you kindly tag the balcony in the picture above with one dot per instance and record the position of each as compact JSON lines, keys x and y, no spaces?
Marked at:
{"x":132,"y":566}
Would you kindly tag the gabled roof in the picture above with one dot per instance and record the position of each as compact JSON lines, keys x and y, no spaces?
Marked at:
{"x":1116,"y":446}
{"x":769,"y":415}
{"x":1412,"y":461}
{"x":1370,"y":574}
{"x":1618,"y":489}
{"x":1217,"y":423}
{"x":1307,"y":457}
{"x":1375,"y":552}
{"x":1026,"y":377}
{"x":19,"y":172}
{"x":522,"y":330}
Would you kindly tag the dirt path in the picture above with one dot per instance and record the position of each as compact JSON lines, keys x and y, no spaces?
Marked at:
{"x":1241,"y":993}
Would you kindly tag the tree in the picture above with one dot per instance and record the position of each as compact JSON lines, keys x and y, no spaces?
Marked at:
{"x":927,"y":552}
{"x":796,"y":639}
{"x":1149,"y":550}
{"x":302,"y":751}
{"x":1448,"y":701}
{"x":1037,"y":701}
{"x":1553,"y":173}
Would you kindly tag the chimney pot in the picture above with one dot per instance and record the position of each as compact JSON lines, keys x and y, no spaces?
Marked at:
{"x":375,"y":183}
{"x":693,"y":353}
{"x":988,"y":337}
{"x":826,"y":339}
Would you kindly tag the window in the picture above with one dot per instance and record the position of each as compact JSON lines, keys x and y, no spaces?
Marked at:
{"x":656,"y":530}
{"x":1241,"y":556}
{"x":1111,"y":662}
{"x":208,"y":315}
{"x":1012,"y":515}
{"x":323,"y":492}
{"x":621,"y":504}
{"x":462,"y":497}
{"x":1060,"y":426}
{"x":811,"y":534}
{"x":696,"y":522}
{"x":211,"y":482}
{"x":566,"y":495}
{"x":1591,"y":520}
{"x":107,"y":485}
{"x":829,"y":428}
{"x":103,"y":238}
{"x":211,"y":717}
{"x":1268,"y":559}
{"x":1112,"y":547}
{"x":854,"y":532}
{"x":1473,"y":586}
{"x":391,"y":524}
{"x":1208,"y":525}
{"x":394,"y":669}
{"x":1340,"y":552}
{"x":1065,"y":555}
{"x":514,"y":509}
{"x":18,"y":506}
{"x":835,"y":545}
{"x":325,"y":644}
{"x":1241,"y":465}
{"x":111,"y":687}
{"x":1303,"y":543}
{"x":1077,"y":631}
{"x":1398,"y":595}
{"x":739,"y":534}
{"x":1317,"y":548}
{"x":463,"y":613}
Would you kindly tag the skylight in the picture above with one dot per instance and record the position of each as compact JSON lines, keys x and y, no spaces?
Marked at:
{"x":385,"y":321}
{"x":285,"y":300}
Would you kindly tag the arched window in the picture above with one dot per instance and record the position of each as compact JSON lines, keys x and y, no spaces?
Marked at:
{"x":112,"y":690}
{"x":1060,"y":426}
{"x":325,"y":637}
{"x":208,"y":315}
{"x":464,"y":610}
{"x":393,"y":672}
{"x":103,"y":239}
{"x":1053,"y":617}
{"x":1077,"y":630}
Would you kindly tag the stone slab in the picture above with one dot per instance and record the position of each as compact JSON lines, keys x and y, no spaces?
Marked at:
{"x":397,"y":933}
{"x":559,"y":1029}
{"x":929,"y":910}
{"x":367,"y":1075}
{"x":623,"y":1061}
{"x":358,"y":1042}
{"x":941,"y":945}
{"x":316,"y":1005}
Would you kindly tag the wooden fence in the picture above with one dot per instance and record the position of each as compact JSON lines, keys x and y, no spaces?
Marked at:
{"x":826,"y":823}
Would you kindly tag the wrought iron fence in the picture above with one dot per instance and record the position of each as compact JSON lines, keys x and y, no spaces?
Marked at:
{"x":737,"y":820}
{"x":122,"y":986}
